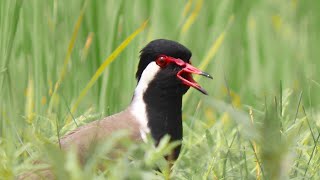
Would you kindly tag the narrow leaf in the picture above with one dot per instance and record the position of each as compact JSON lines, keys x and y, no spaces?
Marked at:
{"x":104,"y":65}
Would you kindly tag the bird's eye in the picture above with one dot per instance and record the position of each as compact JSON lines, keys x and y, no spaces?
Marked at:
{"x":161,"y":61}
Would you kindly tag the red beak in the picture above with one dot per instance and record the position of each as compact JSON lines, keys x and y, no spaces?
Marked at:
{"x":185,"y":75}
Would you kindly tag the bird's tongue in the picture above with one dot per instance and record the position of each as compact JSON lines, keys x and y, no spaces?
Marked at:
{"x":185,"y":75}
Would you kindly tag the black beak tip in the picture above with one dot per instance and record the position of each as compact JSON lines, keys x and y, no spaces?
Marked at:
{"x":203,"y":91}
{"x":206,"y":75}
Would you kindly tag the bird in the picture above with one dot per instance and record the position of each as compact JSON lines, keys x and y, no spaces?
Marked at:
{"x":164,"y":75}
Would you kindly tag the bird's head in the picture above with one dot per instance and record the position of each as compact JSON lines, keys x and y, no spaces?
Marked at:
{"x":167,"y":65}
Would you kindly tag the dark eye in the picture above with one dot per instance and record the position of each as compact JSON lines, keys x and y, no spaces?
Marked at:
{"x":161,"y":61}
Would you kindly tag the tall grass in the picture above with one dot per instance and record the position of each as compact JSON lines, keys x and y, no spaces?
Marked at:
{"x":260,"y":121}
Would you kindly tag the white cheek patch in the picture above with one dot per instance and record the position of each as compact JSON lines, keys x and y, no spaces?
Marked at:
{"x":138,"y":106}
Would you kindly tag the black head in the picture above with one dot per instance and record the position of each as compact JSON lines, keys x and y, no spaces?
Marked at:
{"x":173,"y":59}
{"x":161,"y":47}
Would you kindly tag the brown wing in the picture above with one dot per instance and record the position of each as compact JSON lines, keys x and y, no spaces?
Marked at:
{"x":85,"y":136}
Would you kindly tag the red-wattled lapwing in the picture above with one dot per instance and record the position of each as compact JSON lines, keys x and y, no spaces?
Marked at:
{"x":164,"y":75}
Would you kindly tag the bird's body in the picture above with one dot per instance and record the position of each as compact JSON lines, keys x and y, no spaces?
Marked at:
{"x":84,"y":137}
{"x":164,"y":75}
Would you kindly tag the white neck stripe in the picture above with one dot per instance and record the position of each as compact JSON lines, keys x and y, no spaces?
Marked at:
{"x":138,"y":106}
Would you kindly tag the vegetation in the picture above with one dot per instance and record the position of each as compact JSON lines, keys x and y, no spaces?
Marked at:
{"x":66,"y":63}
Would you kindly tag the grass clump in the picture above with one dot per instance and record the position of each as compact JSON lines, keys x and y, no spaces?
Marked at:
{"x":51,"y":50}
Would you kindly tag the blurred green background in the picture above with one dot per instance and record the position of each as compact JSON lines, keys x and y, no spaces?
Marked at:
{"x":260,"y":120}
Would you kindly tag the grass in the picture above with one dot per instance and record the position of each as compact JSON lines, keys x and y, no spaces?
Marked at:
{"x":260,"y":121}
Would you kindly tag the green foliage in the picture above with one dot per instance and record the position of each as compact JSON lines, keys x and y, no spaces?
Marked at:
{"x":250,"y":127}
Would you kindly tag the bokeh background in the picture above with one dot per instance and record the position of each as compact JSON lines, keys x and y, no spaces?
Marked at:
{"x":260,"y":120}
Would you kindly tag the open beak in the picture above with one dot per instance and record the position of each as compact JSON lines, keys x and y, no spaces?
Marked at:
{"x":185,"y":75}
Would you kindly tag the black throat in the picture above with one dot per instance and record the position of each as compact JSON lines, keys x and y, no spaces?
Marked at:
{"x":163,"y":107}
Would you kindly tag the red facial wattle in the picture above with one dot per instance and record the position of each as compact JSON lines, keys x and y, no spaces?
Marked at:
{"x":185,"y":74}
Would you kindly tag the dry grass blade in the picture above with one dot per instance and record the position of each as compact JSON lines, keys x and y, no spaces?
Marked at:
{"x":215,"y":46}
{"x":187,"y":8}
{"x":192,"y":17}
{"x":103,"y":66}
{"x":69,"y":51}
{"x":29,"y":107}
{"x":211,"y":53}
{"x":255,"y":149}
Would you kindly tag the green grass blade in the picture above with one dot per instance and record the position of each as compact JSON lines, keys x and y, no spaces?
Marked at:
{"x":104,"y":65}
